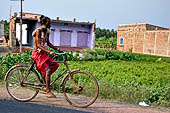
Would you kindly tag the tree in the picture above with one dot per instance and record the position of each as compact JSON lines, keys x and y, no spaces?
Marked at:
{"x":105,"y":33}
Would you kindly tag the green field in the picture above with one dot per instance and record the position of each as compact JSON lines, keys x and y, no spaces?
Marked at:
{"x":130,"y":81}
{"x":140,"y":79}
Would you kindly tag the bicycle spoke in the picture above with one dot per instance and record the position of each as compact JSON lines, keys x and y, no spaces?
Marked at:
{"x":15,"y":86}
{"x":83,"y":91}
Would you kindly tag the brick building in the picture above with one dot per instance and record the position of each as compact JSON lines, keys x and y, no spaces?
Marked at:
{"x":64,"y":34}
{"x":144,"y":38}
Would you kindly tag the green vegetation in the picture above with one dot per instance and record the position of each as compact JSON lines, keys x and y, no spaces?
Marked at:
{"x":104,"y":42}
{"x":6,"y":62}
{"x":130,"y":81}
{"x":121,"y":76}
{"x":105,"y":38}
{"x":103,"y":54}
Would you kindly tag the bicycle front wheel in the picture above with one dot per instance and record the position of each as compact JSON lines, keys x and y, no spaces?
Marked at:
{"x":81,"y":89}
{"x":19,"y":90}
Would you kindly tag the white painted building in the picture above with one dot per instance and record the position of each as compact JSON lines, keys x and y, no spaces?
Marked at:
{"x":24,"y":33}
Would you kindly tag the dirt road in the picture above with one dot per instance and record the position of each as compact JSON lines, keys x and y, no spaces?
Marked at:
{"x":42,"y":104}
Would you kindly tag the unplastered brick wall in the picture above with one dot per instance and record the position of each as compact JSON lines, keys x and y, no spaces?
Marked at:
{"x":157,"y":43}
{"x":144,"y":38}
{"x":149,"y":40}
{"x":132,"y":36}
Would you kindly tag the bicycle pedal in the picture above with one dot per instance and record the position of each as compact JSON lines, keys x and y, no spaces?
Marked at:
{"x":43,"y":89}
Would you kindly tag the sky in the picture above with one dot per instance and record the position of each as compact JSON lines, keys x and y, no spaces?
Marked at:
{"x":107,"y":14}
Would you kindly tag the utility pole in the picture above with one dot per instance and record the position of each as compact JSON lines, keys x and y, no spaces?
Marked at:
{"x":20,"y":25}
{"x":21,"y":29}
{"x":10,"y":13}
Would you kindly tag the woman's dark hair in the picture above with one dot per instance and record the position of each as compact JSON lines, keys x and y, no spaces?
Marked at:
{"x":43,"y":19}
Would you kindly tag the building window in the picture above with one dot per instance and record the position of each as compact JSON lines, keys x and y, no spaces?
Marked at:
{"x":121,"y":41}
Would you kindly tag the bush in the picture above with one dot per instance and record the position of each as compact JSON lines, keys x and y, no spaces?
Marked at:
{"x":6,"y":62}
{"x":104,"y":42}
{"x":105,"y":54}
{"x":128,"y":56}
{"x":112,"y":55}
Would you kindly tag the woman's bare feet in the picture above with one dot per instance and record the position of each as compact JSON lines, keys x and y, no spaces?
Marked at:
{"x":50,"y":95}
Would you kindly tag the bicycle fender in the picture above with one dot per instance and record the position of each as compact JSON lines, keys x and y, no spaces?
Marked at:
{"x":72,"y":71}
{"x":19,"y":64}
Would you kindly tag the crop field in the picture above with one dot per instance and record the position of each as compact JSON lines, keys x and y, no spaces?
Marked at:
{"x":124,"y":77}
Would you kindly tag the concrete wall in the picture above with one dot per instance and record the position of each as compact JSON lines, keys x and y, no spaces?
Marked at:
{"x":24,"y":33}
{"x":144,"y":38}
{"x":55,"y":34}
{"x":12,"y":33}
{"x":1,"y":29}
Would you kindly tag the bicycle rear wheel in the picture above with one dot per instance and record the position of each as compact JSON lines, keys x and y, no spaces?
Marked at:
{"x":81,"y":89}
{"x":18,"y":90}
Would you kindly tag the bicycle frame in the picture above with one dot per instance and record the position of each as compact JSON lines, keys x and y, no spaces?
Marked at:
{"x":73,"y":83}
{"x":67,"y":70}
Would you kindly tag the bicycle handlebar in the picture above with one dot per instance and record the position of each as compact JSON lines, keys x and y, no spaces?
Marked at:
{"x":63,"y":53}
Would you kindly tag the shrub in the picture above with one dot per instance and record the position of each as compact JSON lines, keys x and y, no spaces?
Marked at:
{"x":112,"y":56}
{"x":6,"y":62}
{"x":104,"y":42}
{"x":89,"y":55}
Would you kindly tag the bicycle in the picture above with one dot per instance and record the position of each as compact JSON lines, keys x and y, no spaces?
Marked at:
{"x":80,"y":88}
